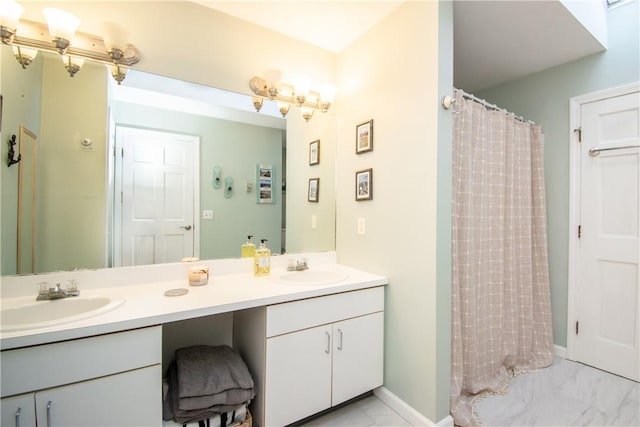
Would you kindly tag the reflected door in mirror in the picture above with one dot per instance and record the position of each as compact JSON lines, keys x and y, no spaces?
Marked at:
{"x":26,"y":202}
{"x":158,"y":181}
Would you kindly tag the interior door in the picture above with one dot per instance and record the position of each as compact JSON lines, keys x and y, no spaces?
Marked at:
{"x":158,"y":197}
{"x":608,"y":297}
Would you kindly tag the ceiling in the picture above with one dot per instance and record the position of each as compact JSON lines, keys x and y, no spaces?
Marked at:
{"x":494,"y":41}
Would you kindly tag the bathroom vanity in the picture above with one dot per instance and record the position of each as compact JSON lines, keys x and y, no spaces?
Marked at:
{"x":311,"y":341}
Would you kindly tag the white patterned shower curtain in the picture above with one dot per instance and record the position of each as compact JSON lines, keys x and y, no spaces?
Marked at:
{"x":501,"y":311}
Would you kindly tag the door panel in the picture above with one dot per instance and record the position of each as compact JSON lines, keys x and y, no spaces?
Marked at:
{"x":158,"y":198}
{"x":298,"y":375}
{"x":357,"y":356}
{"x":608,"y":299}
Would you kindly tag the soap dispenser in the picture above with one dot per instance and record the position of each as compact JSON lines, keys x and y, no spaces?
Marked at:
{"x":248,"y":249}
{"x":262,"y":260}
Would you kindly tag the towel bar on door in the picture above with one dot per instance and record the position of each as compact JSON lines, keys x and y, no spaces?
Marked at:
{"x":595,"y":151}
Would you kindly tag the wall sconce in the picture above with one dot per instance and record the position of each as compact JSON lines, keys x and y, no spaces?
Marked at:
{"x":299,"y":94}
{"x":60,"y":36}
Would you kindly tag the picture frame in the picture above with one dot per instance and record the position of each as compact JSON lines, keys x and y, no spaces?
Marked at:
{"x":314,"y":152}
{"x":364,"y":185}
{"x":265,"y":184}
{"x":364,"y":137}
{"x":313,"y":193}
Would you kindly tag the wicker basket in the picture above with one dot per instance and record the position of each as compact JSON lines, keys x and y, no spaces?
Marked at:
{"x":248,"y":421}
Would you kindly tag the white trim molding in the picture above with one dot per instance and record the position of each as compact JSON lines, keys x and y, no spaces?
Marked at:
{"x":407,"y":412}
{"x":575,"y":104}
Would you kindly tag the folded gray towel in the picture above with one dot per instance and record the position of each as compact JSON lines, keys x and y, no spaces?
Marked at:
{"x":172,"y":411}
{"x":207,"y":370}
{"x":228,"y":398}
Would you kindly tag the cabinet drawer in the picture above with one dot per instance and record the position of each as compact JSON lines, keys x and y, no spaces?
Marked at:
{"x":297,"y":315}
{"x":49,"y":365}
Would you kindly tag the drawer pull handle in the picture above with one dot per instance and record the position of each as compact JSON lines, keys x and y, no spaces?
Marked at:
{"x":328,"y":349}
{"x":18,"y":417}
{"x":49,"y":414}
{"x":340,"y":345}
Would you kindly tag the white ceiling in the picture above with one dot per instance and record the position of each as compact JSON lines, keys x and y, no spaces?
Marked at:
{"x":494,"y":41}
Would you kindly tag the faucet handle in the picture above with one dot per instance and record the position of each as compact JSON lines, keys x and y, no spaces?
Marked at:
{"x":43,"y":288}
{"x":72,"y":288}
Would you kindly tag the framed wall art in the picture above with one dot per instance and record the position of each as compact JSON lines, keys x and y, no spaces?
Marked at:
{"x":314,"y":190}
{"x":364,"y":137}
{"x":364,"y":185}
{"x":314,"y":152}
{"x":264,"y":183}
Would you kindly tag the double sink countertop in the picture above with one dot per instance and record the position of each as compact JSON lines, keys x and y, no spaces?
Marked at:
{"x":145,"y":304}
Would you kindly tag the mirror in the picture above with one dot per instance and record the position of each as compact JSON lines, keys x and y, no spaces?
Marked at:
{"x":79,"y":180}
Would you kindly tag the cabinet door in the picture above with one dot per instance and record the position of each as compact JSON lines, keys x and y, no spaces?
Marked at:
{"x":132,"y":398}
{"x":357,"y":356}
{"x":18,"y":411}
{"x":298,"y":375}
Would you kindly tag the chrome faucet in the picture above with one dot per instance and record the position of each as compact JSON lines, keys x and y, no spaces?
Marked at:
{"x":298,"y":266}
{"x":57,"y":292}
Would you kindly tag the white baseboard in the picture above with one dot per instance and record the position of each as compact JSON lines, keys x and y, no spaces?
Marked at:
{"x":414,"y":417}
{"x":560,"y":351}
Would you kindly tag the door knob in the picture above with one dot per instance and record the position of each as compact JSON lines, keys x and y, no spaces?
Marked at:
{"x":186,"y":227}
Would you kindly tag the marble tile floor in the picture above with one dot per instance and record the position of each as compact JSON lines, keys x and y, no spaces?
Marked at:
{"x":366,"y":412}
{"x":565,"y":394}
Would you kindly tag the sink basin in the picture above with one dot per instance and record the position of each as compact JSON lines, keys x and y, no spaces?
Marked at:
{"x":310,"y":277}
{"x":40,"y":314}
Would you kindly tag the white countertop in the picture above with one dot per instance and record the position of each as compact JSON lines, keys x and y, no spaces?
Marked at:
{"x":146,"y":305}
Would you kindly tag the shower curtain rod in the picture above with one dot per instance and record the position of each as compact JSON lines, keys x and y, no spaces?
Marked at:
{"x":448,"y":101}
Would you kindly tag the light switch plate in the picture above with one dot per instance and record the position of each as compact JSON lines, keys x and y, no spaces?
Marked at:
{"x":362,"y":226}
{"x":207,"y":214}
{"x":314,"y":222}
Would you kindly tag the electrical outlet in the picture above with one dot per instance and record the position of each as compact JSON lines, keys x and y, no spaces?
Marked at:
{"x":362,"y":226}
{"x":207,"y":214}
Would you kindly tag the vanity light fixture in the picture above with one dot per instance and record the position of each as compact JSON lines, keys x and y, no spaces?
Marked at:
{"x":72,"y":64}
{"x":24,"y":55}
{"x":271,"y":87}
{"x":62,"y":27}
{"x":59,"y":36}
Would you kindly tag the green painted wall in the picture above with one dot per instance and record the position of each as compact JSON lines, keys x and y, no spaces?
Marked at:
{"x":544,"y":98}
{"x":71,"y":203}
{"x":236,"y":148}
{"x":22,"y":95}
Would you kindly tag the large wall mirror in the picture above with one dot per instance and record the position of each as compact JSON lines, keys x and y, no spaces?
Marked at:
{"x":99,"y":156}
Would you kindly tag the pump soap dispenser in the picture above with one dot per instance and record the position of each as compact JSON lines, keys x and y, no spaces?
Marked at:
{"x":248,"y":249}
{"x":262,"y":260}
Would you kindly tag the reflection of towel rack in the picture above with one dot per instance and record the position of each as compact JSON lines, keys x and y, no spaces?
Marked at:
{"x":595,"y":151}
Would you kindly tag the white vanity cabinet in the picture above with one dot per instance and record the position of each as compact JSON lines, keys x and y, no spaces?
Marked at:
{"x":106,"y":380}
{"x":18,"y":411}
{"x":309,"y":355}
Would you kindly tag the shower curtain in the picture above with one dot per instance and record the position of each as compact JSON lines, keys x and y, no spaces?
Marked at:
{"x":501,"y":312}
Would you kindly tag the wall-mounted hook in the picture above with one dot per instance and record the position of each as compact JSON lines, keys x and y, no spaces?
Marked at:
{"x":11,"y":160}
{"x":228,"y":186}
{"x":217,"y":177}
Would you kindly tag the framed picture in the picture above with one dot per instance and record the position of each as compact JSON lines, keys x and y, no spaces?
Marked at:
{"x":264,"y":183}
{"x":364,"y":137}
{"x":314,"y":189}
{"x":364,"y":185}
{"x":314,"y":152}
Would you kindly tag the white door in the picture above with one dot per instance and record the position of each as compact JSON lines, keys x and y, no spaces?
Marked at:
{"x":132,"y":398}
{"x":158,"y":196}
{"x":18,"y":410}
{"x":298,"y":375}
{"x":608,"y":298}
{"x":357,"y":356}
